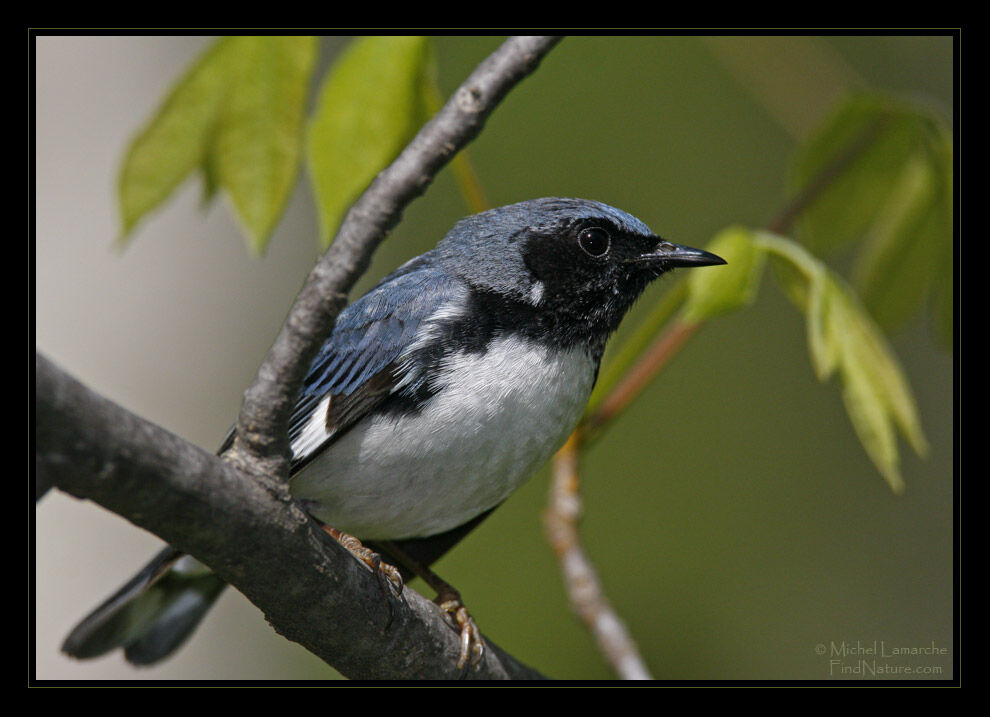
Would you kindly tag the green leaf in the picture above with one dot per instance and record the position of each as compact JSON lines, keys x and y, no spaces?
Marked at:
{"x":822,"y":344}
{"x":257,"y":145}
{"x":236,"y":115}
{"x":844,"y":339}
{"x":868,"y":138}
{"x":898,"y":262}
{"x":370,"y":105}
{"x":175,"y":140}
{"x":880,"y":172}
{"x":730,"y":287}
{"x":866,"y":411}
{"x":875,"y":390}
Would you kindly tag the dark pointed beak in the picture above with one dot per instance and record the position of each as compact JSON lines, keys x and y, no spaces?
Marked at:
{"x":671,"y":255}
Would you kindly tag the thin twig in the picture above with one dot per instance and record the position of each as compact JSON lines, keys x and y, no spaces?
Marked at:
{"x":564,"y":510}
{"x":583,"y":586}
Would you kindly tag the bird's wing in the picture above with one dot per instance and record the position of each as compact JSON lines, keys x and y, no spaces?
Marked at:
{"x":361,"y":363}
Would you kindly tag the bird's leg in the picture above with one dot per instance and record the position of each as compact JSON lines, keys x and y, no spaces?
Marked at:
{"x":388,"y":576}
{"x":472,"y":644}
{"x":449,"y":600}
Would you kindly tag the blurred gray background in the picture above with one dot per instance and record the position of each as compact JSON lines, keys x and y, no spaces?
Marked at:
{"x":734,"y":518}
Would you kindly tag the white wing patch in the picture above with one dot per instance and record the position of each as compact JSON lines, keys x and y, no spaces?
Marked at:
{"x":314,"y":432}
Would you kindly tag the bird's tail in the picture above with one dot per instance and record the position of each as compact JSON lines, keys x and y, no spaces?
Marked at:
{"x":152,"y":614}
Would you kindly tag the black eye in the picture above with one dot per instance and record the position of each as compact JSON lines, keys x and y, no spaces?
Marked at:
{"x":594,"y":241}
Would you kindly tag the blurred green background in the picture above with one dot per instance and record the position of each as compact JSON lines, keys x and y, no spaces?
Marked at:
{"x":735,"y":520}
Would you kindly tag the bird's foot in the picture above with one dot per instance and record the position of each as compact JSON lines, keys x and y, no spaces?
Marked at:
{"x":472,"y":643}
{"x":388,"y":575}
{"x":448,"y":599}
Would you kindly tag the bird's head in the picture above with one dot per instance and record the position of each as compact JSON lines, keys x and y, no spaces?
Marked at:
{"x":581,"y":260}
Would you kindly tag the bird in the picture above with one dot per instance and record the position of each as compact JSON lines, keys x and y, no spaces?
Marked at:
{"x":438,"y":393}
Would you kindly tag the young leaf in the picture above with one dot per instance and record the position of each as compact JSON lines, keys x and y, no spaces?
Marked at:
{"x":880,"y":166}
{"x":734,"y":285}
{"x":899,"y":261}
{"x":237,"y":116}
{"x":370,"y":105}
{"x":175,"y":140}
{"x":822,"y":344}
{"x":870,"y":136}
{"x":843,"y":338}
{"x":875,"y":391}
{"x":869,"y":419}
{"x":257,"y":144}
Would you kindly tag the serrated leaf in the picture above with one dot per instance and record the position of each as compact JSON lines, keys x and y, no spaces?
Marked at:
{"x":869,"y":418}
{"x":871,"y":372}
{"x":870,"y":136}
{"x":257,"y":145}
{"x":733,"y":286}
{"x":878,"y":168}
{"x":370,"y":105}
{"x":897,"y":265}
{"x":236,"y":115}
{"x":894,"y":270}
{"x":844,"y":339}
{"x":175,"y":140}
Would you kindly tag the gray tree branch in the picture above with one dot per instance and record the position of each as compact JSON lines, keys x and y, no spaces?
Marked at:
{"x":310,"y":589}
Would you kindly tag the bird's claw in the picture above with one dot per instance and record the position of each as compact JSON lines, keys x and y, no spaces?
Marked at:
{"x":472,"y":644}
{"x":388,"y":575}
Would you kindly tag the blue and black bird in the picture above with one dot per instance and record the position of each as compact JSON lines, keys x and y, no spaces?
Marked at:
{"x":439,"y":392}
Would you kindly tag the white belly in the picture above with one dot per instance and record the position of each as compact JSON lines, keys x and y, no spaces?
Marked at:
{"x":499,"y":418}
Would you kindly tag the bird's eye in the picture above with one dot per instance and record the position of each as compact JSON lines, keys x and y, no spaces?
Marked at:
{"x":594,"y":241}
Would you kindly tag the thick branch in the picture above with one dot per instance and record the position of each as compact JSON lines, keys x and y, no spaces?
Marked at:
{"x":268,"y":402}
{"x":309,"y":588}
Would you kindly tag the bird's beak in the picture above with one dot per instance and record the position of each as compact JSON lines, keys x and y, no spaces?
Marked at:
{"x":671,"y":255}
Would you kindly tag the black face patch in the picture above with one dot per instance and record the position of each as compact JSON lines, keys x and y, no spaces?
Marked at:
{"x":588,"y":276}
